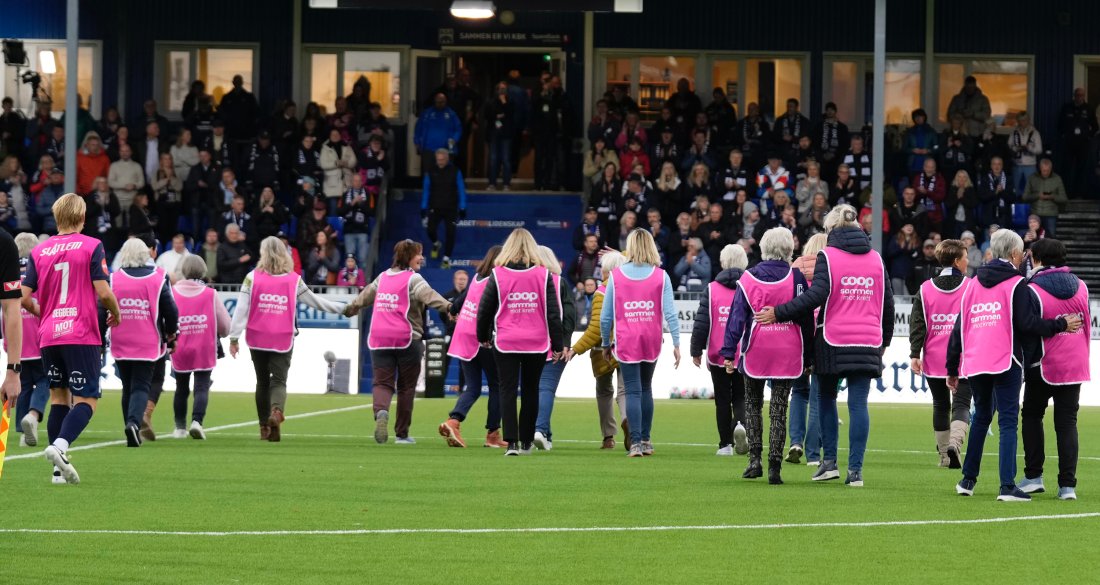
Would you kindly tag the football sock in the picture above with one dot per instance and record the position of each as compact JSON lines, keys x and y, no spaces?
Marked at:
{"x":74,"y":424}
{"x":54,"y":420}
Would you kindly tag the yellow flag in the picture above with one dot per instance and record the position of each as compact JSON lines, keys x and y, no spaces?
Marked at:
{"x":3,"y":436}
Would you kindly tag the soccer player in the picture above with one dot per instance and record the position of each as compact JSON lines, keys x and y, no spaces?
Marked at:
{"x":69,"y":272}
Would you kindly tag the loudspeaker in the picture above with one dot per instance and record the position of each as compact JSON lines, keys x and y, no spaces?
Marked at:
{"x":14,"y":54}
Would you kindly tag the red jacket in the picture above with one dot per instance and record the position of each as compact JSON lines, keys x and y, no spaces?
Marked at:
{"x":88,"y":167}
{"x":627,"y":160}
{"x":933,"y":199}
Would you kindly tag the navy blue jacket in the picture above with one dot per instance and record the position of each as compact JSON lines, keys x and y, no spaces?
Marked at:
{"x":738,"y":329}
{"x":1058,"y":282}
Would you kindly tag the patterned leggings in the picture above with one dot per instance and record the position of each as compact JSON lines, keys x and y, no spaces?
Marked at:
{"x":777,"y":412}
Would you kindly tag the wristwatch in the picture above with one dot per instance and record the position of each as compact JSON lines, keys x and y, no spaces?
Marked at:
{"x":17,"y":368}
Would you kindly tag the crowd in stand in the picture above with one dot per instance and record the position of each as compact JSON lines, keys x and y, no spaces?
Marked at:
{"x":700,"y":178}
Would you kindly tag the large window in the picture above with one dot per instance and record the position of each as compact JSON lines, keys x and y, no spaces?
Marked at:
{"x":334,"y":72}
{"x":180,"y":65}
{"x":650,"y":80}
{"x":849,"y":82}
{"x":1006,"y":82}
{"x":53,"y":85}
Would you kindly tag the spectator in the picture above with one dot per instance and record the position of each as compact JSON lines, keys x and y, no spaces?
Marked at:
{"x":666,"y":148}
{"x":800,"y":156}
{"x":788,"y":219}
{"x":357,"y":211}
{"x":659,"y":232}
{"x":39,"y":130}
{"x":791,"y":126}
{"x":359,"y":100}
{"x":589,"y":226}
{"x":694,"y":265}
{"x":665,"y":122}
{"x":631,"y":129}
{"x":55,"y":146}
{"x":351,"y":276}
{"x":752,"y":227}
{"x":931,"y":191}
{"x":84,"y":122}
{"x":735,"y":176}
{"x":304,"y":199}
{"x":143,"y":220}
{"x":715,"y":232}
{"x":678,"y":239}
{"x":587,"y":262}
{"x":772,"y":209}
{"x":1077,"y":125}
{"x":607,"y":193}
{"x":270,"y":214}
{"x":812,"y":220}
{"x":910,"y":211}
{"x":120,"y":138}
{"x":102,"y":215}
{"x":698,"y":153}
{"x":7,"y":212}
{"x":47,"y":197}
{"x":901,"y":255}
{"x":13,"y":128}
{"x":597,"y":158}
{"x":721,"y":116}
{"x":972,"y":105}
{"x":240,"y":111}
{"x":627,"y":223}
{"x":219,"y":145}
{"x":194,"y":95}
{"x":684,"y":104}
{"x":323,"y":261}
{"x":772,"y":178}
{"x":960,"y":202}
{"x":234,"y":258}
{"x":920,"y":141}
{"x":518,"y":96}
{"x":751,"y":136}
{"x":995,"y":196}
{"x":241,"y":218}
{"x":831,"y":137}
{"x":201,"y":121}
{"x":710,"y":133}
{"x":313,"y":123}
{"x":956,"y":148}
{"x":621,"y":102}
{"x":170,"y":259}
{"x":375,"y":124}
{"x":443,"y":199}
{"x":667,"y":195}
{"x":1026,"y":145}
{"x":338,"y":164}
{"x":200,"y":195}
{"x":285,"y":129}
{"x":168,"y":198}
{"x":150,"y":115}
{"x":125,"y":177}
{"x":973,"y":252}
{"x":500,"y":129}
{"x":373,"y":167}
{"x":150,"y":150}
{"x":926,"y":267}
{"x":295,"y":257}
{"x":438,"y":127}
{"x":811,"y":186}
{"x":1035,"y":231}
{"x":1047,"y":196}
{"x":603,"y":124}
{"x":228,"y":189}
{"x":209,"y":252}
{"x":184,"y":154}
{"x":263,"y":164}
{"x":634,"y":154}
{"x":13,"y":181}
{"x":866,"y":220}
{"x":859,"y":162}
{"x":985,"y":245}
{"x":91,"y":162}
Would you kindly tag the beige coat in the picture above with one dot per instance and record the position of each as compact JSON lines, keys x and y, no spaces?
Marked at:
{"x":337,"y":179}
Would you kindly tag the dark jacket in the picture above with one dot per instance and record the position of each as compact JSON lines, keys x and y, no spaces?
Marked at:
{"x":444,"y":189}
{"x":230,"y":268}
{"x":738,"y":328}
{"x":700,"y":332}
{"x":490,"y":302}
{"x":1059,"y":282}
{"x":1026,"y":318}
{"x":840,"y":360}
{"x":995,"y":208}
{"x":917,"y":330}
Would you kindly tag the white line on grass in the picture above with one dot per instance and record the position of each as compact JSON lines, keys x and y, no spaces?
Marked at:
{"x":38,"y":454}
{"x":555,"y":529}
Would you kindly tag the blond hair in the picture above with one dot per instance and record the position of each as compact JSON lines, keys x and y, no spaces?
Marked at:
{"x":641,"y":249}
{"x":69,"y":211}
{"x":815,"y":244}
{"x":841,"y":216}
{"x":25,"y":242}
{"x":274,"y":258}
{"x":550,"y":259}
{"x":520,"y":248}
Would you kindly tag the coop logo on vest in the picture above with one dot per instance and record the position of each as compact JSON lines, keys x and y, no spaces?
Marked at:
{"x":942,"y":323}
{"x":272,"y":303}
{"x":522,"y":296}
{"x":985,"y":314}
{"x":724,"y":312}
{"x":1080,"y":316}
{"x":270,"y":298}
{"x":522,"y":301}
{"x":638,"y":310}
{"x":985,"y":307}
{"x":128,"y":303}
{"x":386,"y":301}
{"x":193,"y":319}
{"x":857,"y":287}
{"x":633,"y":305}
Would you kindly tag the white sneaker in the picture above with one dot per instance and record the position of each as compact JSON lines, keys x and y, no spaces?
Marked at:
{"x":740,"y":439}
{"x":542,"y":442}
{"x":726,"y":451}
{"x":179,"y":434}
{"x":405,"y":441}
{"x":60,"y":461}
{"x":196,"y":431}
{"x":29,"y":424}
{"x":57,"y":479}
{"x":23,"y":440}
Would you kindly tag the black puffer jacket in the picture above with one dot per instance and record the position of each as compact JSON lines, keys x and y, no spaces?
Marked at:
{"x":918,"y":332}
{"x":1060,"y":283}
{"x":700,"y":332}
{"x":840,"y":360}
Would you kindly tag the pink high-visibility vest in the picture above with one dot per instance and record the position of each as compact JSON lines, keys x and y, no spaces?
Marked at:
{"x":137,"y":337}
{"x":721,"y":303}
{"x":638,"y":310}
{"x":70,"y":312}
{"x":775,"y":350}
{"x":389,"y":322}
{"x":31,"y":348}
{"x":521,"y":323}
{"x":1065,"y":358}
{"x":271,"y":315}
{"x":941,"y":310}
{"x":464,"y":345}
{"x":857,"y":293}
{"x":196,"y":347}
{"x":987,"y":331}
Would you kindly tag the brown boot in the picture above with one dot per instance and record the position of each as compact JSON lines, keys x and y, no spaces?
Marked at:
{"x":265,"y":432}
{"x":608,"y":443}
{"x":147,"y":422}
{"x":955,"y":443}
{"x":493,"y":440}
{"x":274,"y":422}
{"x":626,"y":434}
{"x":942,"y":440}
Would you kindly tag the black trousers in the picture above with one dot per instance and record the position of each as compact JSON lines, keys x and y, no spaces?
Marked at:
{"x":1037,"y":394}
{"x":729,"y":402}
{"x":449,"y":217}
{"x":136,"y":379}
{"x":946,"y":408}
{"x":157,"y":385}
{"x":519,"y":372}
{"x":547,"y":147}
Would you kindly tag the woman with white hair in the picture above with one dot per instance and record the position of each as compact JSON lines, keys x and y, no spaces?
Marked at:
{"x":998,"y":312}
{"x":638,"y":294}
{"x":777,"y":353}
{"x":551,"y":373}
{"x":520,"y":318}
{"x":149,"y":319}
{"x":266,"y":315}
{"x":203,"y":321}
{"x":857,"y":324}
{"x":35,"y":385}
{"x":604,"y":369}
{"x":706,"y":338}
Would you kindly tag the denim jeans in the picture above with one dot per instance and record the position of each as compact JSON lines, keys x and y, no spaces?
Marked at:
{"x":35,"y":391}
{"x":500,"y":151}
{"x":357,"y":245}
{"x":137,"y":377}
{"x":1000,"y":392}
{"x":639,"y":398}
{"x":859,"y":423}
{"x":333,"y":206}
{"x":806,"y":431}
{"x":1020,"y":175}
{"x":548,"y":387}
{"x":1050,"y":225}
{"x":472,"y":370}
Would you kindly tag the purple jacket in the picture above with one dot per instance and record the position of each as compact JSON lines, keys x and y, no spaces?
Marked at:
{"x":737,"y":330}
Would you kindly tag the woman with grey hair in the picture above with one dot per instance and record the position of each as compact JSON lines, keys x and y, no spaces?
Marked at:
{"x":778,"y":353}
{"x":998,"y":313}
{"x":857,"y":324}
{"x":706,"y":338}
{"x":203,"y":320}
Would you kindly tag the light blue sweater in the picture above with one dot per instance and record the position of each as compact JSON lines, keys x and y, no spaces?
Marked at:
{"x":639,"y":272}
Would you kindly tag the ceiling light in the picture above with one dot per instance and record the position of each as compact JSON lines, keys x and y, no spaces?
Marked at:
{"x":476,"y":9}
{"x":46,"y":62}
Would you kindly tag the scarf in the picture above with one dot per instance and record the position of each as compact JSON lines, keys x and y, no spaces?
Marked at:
{"x":929,"y":184}
{"x":793,"y":130}
{"x":1017,"y":141}
{"x":830,"y":136}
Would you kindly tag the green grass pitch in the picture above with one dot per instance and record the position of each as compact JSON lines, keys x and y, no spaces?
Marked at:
{"x":329,"y":475}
